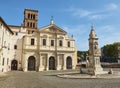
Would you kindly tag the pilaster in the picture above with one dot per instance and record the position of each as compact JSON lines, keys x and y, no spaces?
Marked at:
{"x":41,"y":68}
{"x":25,"y":66}
{"x":64,"y":62}
{"x":47,"y":63}
{"x":58,"y":67}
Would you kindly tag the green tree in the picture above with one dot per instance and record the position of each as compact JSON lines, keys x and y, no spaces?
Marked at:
{"x":111,"y":50}
{"x":82,"y":54}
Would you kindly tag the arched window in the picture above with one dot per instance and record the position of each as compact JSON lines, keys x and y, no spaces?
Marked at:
{"x":28,"y":24}
{"x":31,"y":24}
{"x":29,"y":16}
{"x":34,"y":16}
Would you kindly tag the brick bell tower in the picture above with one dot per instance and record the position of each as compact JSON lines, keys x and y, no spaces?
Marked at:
{"x":31,"y":20}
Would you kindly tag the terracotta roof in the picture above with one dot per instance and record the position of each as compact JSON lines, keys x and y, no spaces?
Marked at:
{"x":6,"y":25}
{"x":15,"y":26}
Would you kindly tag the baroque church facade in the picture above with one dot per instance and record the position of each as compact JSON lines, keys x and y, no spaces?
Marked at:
{"x":29,"y":48}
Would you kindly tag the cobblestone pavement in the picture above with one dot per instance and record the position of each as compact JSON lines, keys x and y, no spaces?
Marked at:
{"x":19,"y":79}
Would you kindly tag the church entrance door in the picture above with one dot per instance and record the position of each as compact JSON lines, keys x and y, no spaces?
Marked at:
{"x":51,"y":63}
{"x":14,"y":65}
{"x":69,"y":63}
{"x":31,"y":63}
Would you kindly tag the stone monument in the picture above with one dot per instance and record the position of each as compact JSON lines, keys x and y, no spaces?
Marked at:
{"x":94,"y":65}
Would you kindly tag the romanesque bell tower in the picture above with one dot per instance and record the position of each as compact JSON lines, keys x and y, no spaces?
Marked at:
{"x":31,"y":20}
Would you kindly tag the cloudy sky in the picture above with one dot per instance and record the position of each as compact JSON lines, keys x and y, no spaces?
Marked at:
{"x":74,"y":16}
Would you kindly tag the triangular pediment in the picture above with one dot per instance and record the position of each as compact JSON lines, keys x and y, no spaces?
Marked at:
{"x":52,"y":29}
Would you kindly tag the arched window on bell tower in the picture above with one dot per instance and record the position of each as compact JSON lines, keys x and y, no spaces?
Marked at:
{"x":28,"y":24}
{"x":34,"y":16}
{"x":31,"y":24}
{"x":28,"y":15}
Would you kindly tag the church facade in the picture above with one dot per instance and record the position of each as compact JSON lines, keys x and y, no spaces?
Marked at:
{"x":34,"y":49}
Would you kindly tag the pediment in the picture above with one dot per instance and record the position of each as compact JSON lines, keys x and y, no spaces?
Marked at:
{"x":52,"y":29}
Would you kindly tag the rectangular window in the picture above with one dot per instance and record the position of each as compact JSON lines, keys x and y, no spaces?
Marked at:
{"x":44,"y":42}
{"x":3,"y":61}
{"x":68,"y":43}
{"x":60,"y":43}
{"x":52,"y":42}
{"x":32,"y":41}
{"x":15,"y":46}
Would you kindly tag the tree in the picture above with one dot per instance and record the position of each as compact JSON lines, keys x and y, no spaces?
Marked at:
{"x":111,"y":51}
{"x":82,"y":54}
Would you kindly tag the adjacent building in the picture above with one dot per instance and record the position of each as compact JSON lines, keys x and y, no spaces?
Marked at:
{"x":5,"y":43}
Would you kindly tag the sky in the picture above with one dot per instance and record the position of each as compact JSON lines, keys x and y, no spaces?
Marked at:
{"x":73,"y":16}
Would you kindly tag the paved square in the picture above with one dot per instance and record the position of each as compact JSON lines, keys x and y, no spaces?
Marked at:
{"x":18,"y":79}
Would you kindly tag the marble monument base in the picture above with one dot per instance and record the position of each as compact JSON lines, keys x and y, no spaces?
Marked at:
{"x":96,"y":71}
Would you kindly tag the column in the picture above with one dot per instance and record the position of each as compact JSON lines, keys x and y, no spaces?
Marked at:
{"x":25,"y":68}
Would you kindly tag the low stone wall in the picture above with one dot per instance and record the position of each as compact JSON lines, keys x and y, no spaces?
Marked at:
{"x":111,"y":65}
{"x":78,"y":66}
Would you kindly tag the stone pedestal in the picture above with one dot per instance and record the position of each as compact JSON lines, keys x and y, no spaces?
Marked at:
{"x":94,"y":66}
